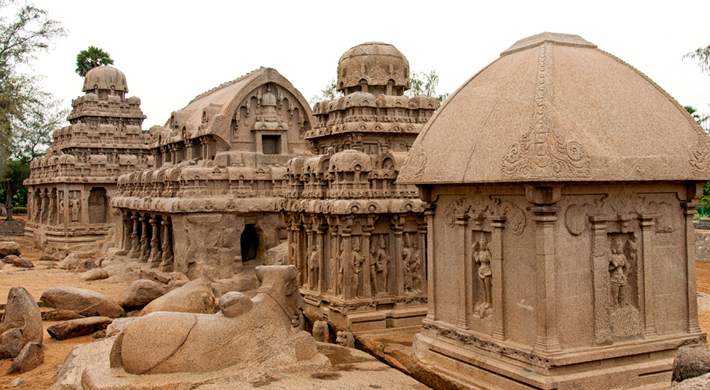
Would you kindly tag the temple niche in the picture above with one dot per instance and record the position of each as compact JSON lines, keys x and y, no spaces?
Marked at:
{"x":562,"y":249}
{"x":69,"y":189}
{"x":357,"y":237}
{"x":211,"y":203}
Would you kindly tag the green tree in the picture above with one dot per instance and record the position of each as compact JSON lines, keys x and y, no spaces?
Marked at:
{"x":422,"y":83}
{"x":702,"y":119}
{"x":90,"y":58}
{"x":330,"y":92}
{"x":22,"y":37}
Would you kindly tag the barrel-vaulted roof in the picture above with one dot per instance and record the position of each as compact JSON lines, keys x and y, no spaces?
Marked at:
{"x":555,"y":108}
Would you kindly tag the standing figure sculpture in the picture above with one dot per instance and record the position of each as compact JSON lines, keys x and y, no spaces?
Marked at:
{"x":313,"y":267}
{"x":617,"y":274}
{"x":60,"y":213}
{"x":482,"y":257}
{"x":75,"y":207}
{"x":341,"y":270}
{"x":357,"y":259}
{"x":381,"y":261}
{"x":413,"y":268}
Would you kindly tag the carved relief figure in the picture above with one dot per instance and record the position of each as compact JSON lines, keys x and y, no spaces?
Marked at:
{"x":341,"y":270}
{"x":313,"y":266}
{"x":482,"y":257}
{"x":60,"y":215}
{"x":410,"y":259}
{"x":618,"y":266}
{"x":75,"y":208}
{"x":380,"y":264}
{"x":357,"y":259}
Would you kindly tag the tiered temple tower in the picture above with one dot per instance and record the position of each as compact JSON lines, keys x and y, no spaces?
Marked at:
{"x":69,"y":189}
{"x":357,"y":237}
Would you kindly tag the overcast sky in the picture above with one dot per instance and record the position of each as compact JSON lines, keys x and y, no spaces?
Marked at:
{"x":173,"y":51}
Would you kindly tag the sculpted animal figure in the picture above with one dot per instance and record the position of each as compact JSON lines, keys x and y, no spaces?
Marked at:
{"x":245,"y":332}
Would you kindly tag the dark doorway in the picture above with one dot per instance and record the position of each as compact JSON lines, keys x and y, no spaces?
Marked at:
{"x":249,"y":243}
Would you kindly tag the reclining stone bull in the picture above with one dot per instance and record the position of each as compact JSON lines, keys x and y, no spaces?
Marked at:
{"x":245,"y":332}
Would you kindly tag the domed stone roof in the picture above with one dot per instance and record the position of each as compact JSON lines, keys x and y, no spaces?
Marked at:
{"x":105,"y":77}
{"x":552,"y":108}
{"x":375,"y":62}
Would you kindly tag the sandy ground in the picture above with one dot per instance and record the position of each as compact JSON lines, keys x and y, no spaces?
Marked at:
{"x":40,"y":278}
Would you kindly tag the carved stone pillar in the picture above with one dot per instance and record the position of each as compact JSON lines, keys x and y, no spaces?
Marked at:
{"x":464,"y":270}
{"x":545,"y":218}
{"x":145,"y":242}
{"x":601,"y":283}
{"x":45,"y":208}
{"x":307,"y":260}
{"x":156,"y":256}
{"x":497,"y":279}
{"x":695,"y":191}
{"x":135,"y":237}
{"x":431,"y":290}
{"x":127,"y":232}
{"x":321,"y":259}
{"x":345,"y":260}
{"x":397,"y":229}
{"x":365,"y":245}
{"x":334,"y":287}
{"x":421,"y":242}
{"x":647,"y":223}
{"x":166,"y":265}
{"x":53,"y":214}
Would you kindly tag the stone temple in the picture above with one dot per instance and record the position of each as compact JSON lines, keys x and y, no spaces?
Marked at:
{"x":563,"y":183}
{"x":357,"y":237}
{"x":69,"y":189}
{"x":211,"y":203}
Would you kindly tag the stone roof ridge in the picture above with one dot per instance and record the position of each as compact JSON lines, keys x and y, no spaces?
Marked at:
{"x":227,"y":84}
{"x":556,"y":38}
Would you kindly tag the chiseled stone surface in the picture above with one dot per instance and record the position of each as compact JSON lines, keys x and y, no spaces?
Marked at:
{"x":29,"y":358}
{"x":355,"y":234}
{"x":563,"y":251}
{"x":70,"y":187}
{"x":211,"y":202}
{"x":194,"y":297}
{"x":81,"y":301}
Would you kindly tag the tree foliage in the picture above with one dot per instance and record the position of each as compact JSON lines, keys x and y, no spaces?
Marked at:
{"x":422,"y":83}
{"x":91,"y":58}
{"x":702,"y":54}
{"x":702,"y":119}
{"x":22,"y":104}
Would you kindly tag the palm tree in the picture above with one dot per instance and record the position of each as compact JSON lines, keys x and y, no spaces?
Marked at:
{"x":90,"y":58}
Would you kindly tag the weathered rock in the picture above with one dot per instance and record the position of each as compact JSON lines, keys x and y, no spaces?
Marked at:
{"x":194,"y":297}
{"x":85,"y":265}
{"x":141,"y":292}
{"x":95,"y":274}
{"x":156,"y":276}
{"x":701,"y":382}
{"x":10,"y":248}
{"x":44,"y":256}
{"x":81,"y":357}
{"x":85,"y":302}
{"x":21,"y":323}
{"x":99,"y":334}
{"x":177,"y":280}
{"x":29,"y":358}
{"x":17,"y":382}
{"x":320,"y":331}
{"x":277,"y":255}
{"x":346,"y":339}
{"x":691,"y":362}
{"x":234,"y":304}
{"x":9,"y":259}
{"x":117,"y":325}
{"x":60,"y":255}
{"x":22,"y":263}
{"x":244,"y":281}
{"x":70,"y":262}
{"x":60,"y":315}
{"x":79,"y":327}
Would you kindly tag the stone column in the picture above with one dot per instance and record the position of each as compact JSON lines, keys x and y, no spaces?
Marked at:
{"x":321,"y":259}
{"x":127,"y":232}
{"x":647,"y":223}
{"x":498,"y":279}
{"x":53,"y":212}
{"x":166,"y":265}
{"x":545,"y":218}
{"x":135,"y":237}
{"x":345,"y":260}
{"x":145,"y":243}
{"x":334,"y":254}
{"x":397,"y":229}
{"x":155,"y":253}
{"x":421,"y":241}
{"x":307,"y":260}
{"x":464,"y":265}
{"x":365,"y":246}
{"x":694,"y":192}
{"x":431,"y":285}
{"x":45,"y":208}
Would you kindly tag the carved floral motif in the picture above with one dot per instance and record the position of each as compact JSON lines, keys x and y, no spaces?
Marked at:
{"x":516,"y":220}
